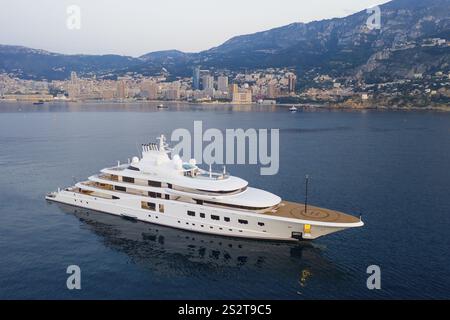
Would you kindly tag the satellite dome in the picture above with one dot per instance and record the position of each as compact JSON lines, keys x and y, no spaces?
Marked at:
{"x":135,"y":160}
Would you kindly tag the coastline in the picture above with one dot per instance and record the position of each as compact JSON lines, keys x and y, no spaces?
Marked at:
{"x":303,"y":106}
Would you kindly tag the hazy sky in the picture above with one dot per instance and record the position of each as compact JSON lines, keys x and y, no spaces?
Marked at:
{"x":135,"y":27}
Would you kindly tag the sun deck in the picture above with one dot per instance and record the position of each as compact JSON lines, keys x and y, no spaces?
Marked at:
{"x":297,"y":211}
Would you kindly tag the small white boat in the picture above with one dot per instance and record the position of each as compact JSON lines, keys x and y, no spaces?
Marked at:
{"x":293,"y":109}
{"x":161,"y":106}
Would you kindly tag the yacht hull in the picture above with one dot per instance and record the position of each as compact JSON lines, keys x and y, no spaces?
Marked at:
{"x":203,"y":219}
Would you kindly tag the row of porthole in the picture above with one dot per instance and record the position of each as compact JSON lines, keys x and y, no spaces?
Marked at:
{"x":226,"y":219}
{"x":211,"y":227}
{"x":193,"y":224}
{"x":81,"y":201}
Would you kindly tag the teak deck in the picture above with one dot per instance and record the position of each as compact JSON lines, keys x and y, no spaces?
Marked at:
{"x":297,"y":211}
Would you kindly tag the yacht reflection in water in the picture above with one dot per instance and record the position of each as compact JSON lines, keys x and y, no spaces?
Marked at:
{"x":177,"y":252}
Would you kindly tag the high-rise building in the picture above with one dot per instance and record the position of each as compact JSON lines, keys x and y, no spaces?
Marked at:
{"x":121,"y":89}
{"x":292,"y":82}
{"x":172,"y":94}
{"x":208,"y":82}
{"x":73,"y":88}
{"x":196,"y":78}
{"x":107,"y":94}
{"x":149,"y":90}
{"x":272,"y":91}
{"x":243,"y":96}
{"x":233,"y":90}
{"x":222,"y":84}
{"x":73,"y":77}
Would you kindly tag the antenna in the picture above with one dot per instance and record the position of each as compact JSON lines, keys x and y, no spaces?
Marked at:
{"x":162,"y":142}
{"x":163,"y":145}
{"x":306,"y":192}
{"x":210,"y":171}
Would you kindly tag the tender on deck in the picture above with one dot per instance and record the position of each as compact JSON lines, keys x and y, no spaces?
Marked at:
{"x":297,"y":211}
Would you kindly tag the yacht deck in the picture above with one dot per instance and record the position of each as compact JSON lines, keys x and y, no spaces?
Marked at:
{"x":297,"y":211}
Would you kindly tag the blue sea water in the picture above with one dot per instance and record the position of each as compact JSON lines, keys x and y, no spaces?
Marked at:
{"x":393,"y":168}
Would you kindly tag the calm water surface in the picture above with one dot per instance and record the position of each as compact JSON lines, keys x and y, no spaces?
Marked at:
{"x":391,"y":167}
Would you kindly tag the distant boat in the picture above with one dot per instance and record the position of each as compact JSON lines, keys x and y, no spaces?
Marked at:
{"x":161,"y":106}
{"x":293,"y":109}
{"x":38,"y":102}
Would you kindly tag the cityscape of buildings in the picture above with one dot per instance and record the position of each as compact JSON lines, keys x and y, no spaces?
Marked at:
{"x":203,"y":86}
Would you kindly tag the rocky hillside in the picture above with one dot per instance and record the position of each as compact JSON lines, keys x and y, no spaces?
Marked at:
{"x":346,"y":46}
{"x":29,"y":63}
{"x":340,"y":47}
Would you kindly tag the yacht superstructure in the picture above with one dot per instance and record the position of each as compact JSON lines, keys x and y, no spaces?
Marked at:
{"x":167,"y":191}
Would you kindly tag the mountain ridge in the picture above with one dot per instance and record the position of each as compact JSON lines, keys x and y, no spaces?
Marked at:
{"x":338,"y":46}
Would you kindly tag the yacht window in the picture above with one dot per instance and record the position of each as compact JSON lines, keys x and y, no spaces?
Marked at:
{"x":243,"y":221}
{"x":191,"y":213}
{"x":152,"y":194}
{"x":133,"y":168}
{"x":226,"y":219}
{"x":158,"y":195}
{"x":202,"y":215}
{"x":128,"y":179}
{"x":169,"y":185}
{"x":154,"y":184}
{"x":161,"y":208}
{"x":223,"y":192}
{"x":104,"y":186}
{"x":119,"y":188}
{"x":148,"y":205}
{"x":167,"y":197}
{"x":199,"y":201}
{"x":234,"y":206}
{"x":115,"y":198}
{"x":214,"y":217}
{"x":261,"y":224}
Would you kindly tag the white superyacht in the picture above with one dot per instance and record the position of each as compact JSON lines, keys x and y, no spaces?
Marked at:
{"x":165,"y":190}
